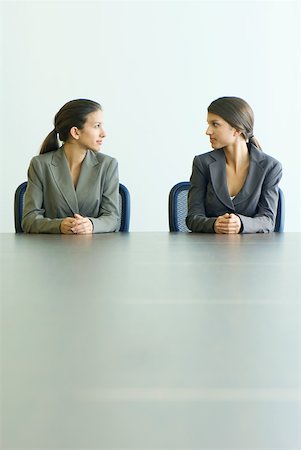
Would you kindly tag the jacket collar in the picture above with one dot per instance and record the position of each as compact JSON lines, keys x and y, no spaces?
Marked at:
{"x":62,"y":176}
{"x":219,"y":181}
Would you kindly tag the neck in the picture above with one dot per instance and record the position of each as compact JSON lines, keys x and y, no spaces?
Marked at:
{"x":74,"y":154}
{"x":237,"y":155}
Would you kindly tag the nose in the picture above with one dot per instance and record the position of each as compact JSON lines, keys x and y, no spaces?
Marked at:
{"x":102,"y":133}
{"x":209,"y":131}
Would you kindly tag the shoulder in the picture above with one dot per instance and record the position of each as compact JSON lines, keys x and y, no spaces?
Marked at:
{"x":271,"y":160}
{"x":207,"y":158}
{"x":42,"y":160}
{"x":102,"y":157}
{"x":263,"y":159}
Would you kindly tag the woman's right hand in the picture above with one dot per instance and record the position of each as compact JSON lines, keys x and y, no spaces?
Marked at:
{"x":67,"y":224}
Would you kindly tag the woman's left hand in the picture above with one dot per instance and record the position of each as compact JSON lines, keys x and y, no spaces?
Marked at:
{"x":83,"y":225}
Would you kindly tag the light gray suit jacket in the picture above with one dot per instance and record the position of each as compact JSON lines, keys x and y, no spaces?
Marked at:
{"x":51,"y":196}
{"x":255,"y":204}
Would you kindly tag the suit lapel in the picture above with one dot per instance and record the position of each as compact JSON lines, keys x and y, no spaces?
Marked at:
{"x":88,"y":176}
{"x":254,"y":176}
{"x":62,"y":177}
{"x":218,"y":177}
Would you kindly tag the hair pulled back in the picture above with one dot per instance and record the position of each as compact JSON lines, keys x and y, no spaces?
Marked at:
{"x":238,"y":113}
{"x":72,"y":114}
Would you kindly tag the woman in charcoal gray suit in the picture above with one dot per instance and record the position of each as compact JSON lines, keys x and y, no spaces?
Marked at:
{"x":234,"y":187}
{"x":73,"y":189}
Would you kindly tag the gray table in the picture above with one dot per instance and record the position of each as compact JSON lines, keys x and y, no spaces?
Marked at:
{"x":151,"y":341}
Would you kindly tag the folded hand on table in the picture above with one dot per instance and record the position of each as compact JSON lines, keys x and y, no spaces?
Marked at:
{"x":76,"y":225}
{"x":227,"y":224}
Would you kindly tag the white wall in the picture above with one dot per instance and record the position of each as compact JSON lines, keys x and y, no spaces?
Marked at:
{"x":154,"y":66}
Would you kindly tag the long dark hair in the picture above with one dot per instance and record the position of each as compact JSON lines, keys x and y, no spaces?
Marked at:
{"x":72,"y":114}
{"x":238,"y":113}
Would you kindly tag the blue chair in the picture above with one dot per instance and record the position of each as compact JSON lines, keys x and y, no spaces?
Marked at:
{"x":124,"y":206}
{"x":178,"y":206}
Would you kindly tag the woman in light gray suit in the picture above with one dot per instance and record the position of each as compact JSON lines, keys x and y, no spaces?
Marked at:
{"x":234,"y":188}
{"x":73,"y":189}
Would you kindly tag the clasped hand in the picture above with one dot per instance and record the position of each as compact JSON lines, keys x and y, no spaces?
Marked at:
{"x":227,"y":224}
{"x":76,"y":225}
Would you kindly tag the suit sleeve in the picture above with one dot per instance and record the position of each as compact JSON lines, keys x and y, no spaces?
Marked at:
{"x":264,"y":220}
{"x":107,"y":220}
{"x":34,"y":220}
{"x":196,"y":219}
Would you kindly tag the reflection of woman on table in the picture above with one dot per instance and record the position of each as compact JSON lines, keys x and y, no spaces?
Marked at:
{"x":234,"y":188}
{"x":73,"y":189}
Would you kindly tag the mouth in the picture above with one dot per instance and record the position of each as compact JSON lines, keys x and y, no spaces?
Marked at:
{"x":99,"y":142}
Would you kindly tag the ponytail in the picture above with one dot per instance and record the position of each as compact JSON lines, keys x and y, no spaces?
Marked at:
{"x":51,"y":143}
{"x":254,"y":141}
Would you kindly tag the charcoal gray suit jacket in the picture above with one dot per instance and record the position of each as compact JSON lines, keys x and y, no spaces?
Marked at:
{"x":51,"y":196}
{"x":255,"y":204}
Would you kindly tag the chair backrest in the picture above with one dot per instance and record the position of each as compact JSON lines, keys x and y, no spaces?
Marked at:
{"x":124,"y":207}
{"x":279,"y":223}
{"x":178,"y":206}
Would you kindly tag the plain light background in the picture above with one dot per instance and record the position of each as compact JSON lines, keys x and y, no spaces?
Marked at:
{"x":154,"y":66}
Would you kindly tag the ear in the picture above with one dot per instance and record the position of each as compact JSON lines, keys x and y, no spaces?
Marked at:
{"x":74,"y":131}
{"x":237,"y":132}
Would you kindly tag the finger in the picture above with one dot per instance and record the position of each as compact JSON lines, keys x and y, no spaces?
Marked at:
{"x":84,"y":223}
{"x":226,"y":228}
{"x":70,"y":223}
{"x":68,"y":231}
{"x":79,"y":229}
{"x":230,"y":227}
{"x":81,"y":232}
{"x":236,"y":229}
{"x":221,"y":230}
{"x":234,"y":219}
{"x":68,"y":220}
{"x":223,"y":223}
